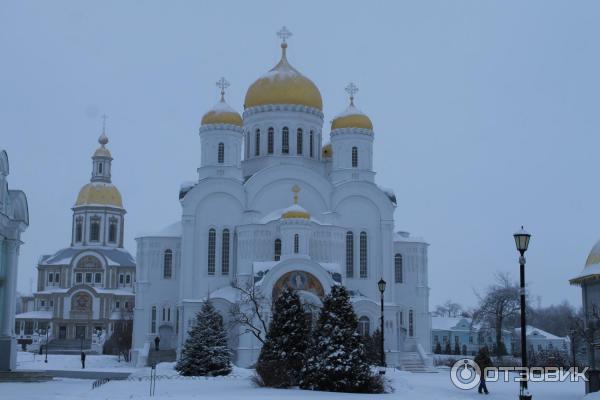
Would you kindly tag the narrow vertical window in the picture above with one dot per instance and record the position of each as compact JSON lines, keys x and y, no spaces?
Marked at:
{"x":164,"y":316}
{"x":257,"y":143}
{"x":363,"y":254}
{"x":398,"y":268}
{"x":112,"y":230}
{"x":354,"y":157}
{"x":168,"y":264}
{"x":277,"y":253}
{"x":177,"y":321}
{"x":311,"y":142}
{"x":212,"y":238}
{"x":285,"y":141}
{"x":225,"y":253}
{"x":296,"y":243}
{"x":153,"y":318}
{"x":270,"y":140}
{"x":299,"y":141}
{"x":50,"y":277}
{"x":79,"y":230}
{"x":411,"y":323}
{"x":95,"y":229}
{"x":349,"y":254}
{"x":221,"y":153}
{"x":99,"y":168}
{"x":247,"y":145}
{"x":364,"y":325}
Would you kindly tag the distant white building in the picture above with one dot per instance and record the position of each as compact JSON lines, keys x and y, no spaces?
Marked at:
{"x":276,"y":207}
{"x":468,"y":336}
{"x":539,"y":340}
{"x":14,"y":219}
{"x":88,"y":286}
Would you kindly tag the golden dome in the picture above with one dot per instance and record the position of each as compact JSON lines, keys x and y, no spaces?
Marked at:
{"x":283,"y":85}
{"x":222,"y":113}
{"x":594,"y":256}
{"x":295,"y":211}
{"x":99,"y":193}
{"x":351,"y":118}
{"x":327,"y":151}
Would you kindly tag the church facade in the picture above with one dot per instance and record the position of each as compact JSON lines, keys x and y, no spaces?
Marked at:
{"x":275,"y":206}
{"x":88,"y":287}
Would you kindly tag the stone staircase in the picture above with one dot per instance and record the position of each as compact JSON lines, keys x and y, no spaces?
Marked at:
{"x":69,"y":346}
{"x":24,"y":376}
{"x":411,"y":362}
{"x":159,"y":356}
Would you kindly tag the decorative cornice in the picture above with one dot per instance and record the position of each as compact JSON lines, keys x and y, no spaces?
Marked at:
{"x":342,"y":131}
{"x":283,"y":107}
{"x":220,"y":127}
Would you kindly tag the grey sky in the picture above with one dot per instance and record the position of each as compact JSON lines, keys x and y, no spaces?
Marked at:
{"x":485,"y":114}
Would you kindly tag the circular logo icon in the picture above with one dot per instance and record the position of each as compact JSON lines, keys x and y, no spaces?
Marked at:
{"x":464,"y":374}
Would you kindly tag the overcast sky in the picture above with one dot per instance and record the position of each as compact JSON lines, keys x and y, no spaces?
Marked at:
{"x":485,"y":113}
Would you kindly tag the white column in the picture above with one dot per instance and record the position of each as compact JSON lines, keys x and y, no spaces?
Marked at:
{"x":8,"y":347}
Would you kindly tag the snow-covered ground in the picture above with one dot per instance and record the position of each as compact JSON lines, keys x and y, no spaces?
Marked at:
{"x":26,"y":360}
{"x":239,"y":386}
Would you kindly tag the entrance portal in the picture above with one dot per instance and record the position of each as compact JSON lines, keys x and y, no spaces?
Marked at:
{"x":80,"y":331}
{"x":62,"y":332}
{"x":165,"y":332}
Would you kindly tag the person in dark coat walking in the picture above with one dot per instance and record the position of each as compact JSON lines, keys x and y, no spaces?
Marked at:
{"x":156,"y":343}
{"x":484,"y":361}
{"x":82,"y":360}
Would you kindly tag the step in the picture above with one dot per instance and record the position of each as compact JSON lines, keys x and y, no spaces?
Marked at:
{"x":24,"y":376}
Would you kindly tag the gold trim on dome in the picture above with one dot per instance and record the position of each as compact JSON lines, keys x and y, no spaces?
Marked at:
{"x":296,"y":214}
{"x":283,"y":85}
{"x":327,"y":151}
{"x":593,"y":258}
{"x":101,"y":194}
{"x":352,"y":121}
{"x":214,"y":117}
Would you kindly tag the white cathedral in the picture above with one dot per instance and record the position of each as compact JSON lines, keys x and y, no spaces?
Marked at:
{"x":274,"y":207}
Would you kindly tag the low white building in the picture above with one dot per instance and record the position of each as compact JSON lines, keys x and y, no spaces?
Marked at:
{"x":468,"y":336}
{"x":539,"y":340}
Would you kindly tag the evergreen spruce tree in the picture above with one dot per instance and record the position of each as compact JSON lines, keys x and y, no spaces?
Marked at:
{"x":205,"y":351}
{"x":373,"y":347}
{"x":438,"y":348}
{"x":456,"y":348}
{"x":337,"y":360}
{"x":283,"y":354}
{"x":447,"y":348}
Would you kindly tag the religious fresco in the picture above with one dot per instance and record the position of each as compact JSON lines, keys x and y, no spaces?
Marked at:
{"x":82,"y":302}
{"x":298,"y":280}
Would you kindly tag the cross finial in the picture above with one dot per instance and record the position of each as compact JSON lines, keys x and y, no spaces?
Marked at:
{"x":296,"y":190}
{"x":103,"y":140}
{"x":104,"y":117}
{"x":222,"y":84}
{"x":351,"y":89}
{"x":284,"y":34}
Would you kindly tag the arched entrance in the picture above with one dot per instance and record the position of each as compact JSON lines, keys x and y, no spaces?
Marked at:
{"x":167,"y":337}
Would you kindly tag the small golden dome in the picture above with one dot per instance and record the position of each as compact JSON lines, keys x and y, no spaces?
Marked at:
{"x":351,"y":118}
{"x":222,"y":113}
{"x":102,"y":152}
{"x":295,"y":211}
{"x":327,"y":151}
{"x":283,"y":85}
{"x":99,"y":193}
{"x":594,"y":256}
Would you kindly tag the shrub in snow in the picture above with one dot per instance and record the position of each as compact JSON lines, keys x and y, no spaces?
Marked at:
{"x":438,"y":348}
{"x":205,"y":351}
{"x":456,"y":348}
{"x":337,"y":361}
{"x":283,"y":354}
{"x":373,"y":347}
{"x":447,"y":348}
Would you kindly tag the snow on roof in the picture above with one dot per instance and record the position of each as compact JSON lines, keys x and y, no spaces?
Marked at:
{"x":116,"y":292}
{"x":588,"y":272}
{"x":403,"y":236}
{"x":263,"y":266}
{"x":172,"y":230}
{"x":114,"y":256}
{"x":447,"y":323}
{"x":35,"y":315}
{"x":228,"y":293}
{"x":389,"y":193}
{"x":533,"y":331}
{"x":50,"y":290}
{"x":276,"y":215}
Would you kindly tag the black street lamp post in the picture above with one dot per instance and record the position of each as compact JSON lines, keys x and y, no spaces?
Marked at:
{"x":381,"y":285}
{"x":522,"y":242}
{"x":46,"y":360}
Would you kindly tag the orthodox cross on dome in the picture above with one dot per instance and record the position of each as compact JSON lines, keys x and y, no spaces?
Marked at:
{"x":103,"y":139}
{"x":222,"y":84}
{"x":284,"y":34}
{"x":296,"y":190}
{"x":351,"y":89}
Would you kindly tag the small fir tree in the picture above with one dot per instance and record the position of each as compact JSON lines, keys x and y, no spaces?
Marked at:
{"x":205,"y":351}
{"x":456,"y":348}
{"x":438,"y":348}
{"x":337,"y":361}
{"x":373,"y":347}
{"x":283,"y":353}
{"x":447,"y":348}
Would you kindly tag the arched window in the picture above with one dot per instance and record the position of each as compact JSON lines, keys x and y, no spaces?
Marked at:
{"x":212,"y":238}
{"x":277,"y":256}
{"x":311,"y":140}
{"x":225,"y":252}
{"x":247,"y":145}
{"x":221,"y":153}
{"x":363,"y":254}
{"x":398,"y":272}
{"x":257,"y":143}
{"x":112,"y":230}
{"x":354,"y":157}
{"x":411,"y":323}
{"x":79,"y":230}
{"x":168,"y":264}
{"x":95,"y":229}
{"x":349,"y":254}
{"x":296,"y":243}
{"x":364,"y":326}
{"x":285,"y":141}
{"x":299,"y":141}
{"x":270,"y":140}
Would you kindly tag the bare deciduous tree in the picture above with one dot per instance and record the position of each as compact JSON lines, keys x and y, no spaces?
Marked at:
{"x":250,"y":311}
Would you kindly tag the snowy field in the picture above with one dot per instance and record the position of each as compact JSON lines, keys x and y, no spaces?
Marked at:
{"x":34,"y":361}
{"x":239,"y":386}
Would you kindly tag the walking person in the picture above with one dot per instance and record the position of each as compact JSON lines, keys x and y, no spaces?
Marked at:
{"x":484,"y":361}
{"x":156,"y":343}
{"x":82,"y":360}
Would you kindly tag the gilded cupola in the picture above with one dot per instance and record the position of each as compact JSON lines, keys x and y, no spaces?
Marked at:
{"x":283,"y":84}
{"x":295,"y":211}
{"x":352,"y":117}
{"x":222,"y":113}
